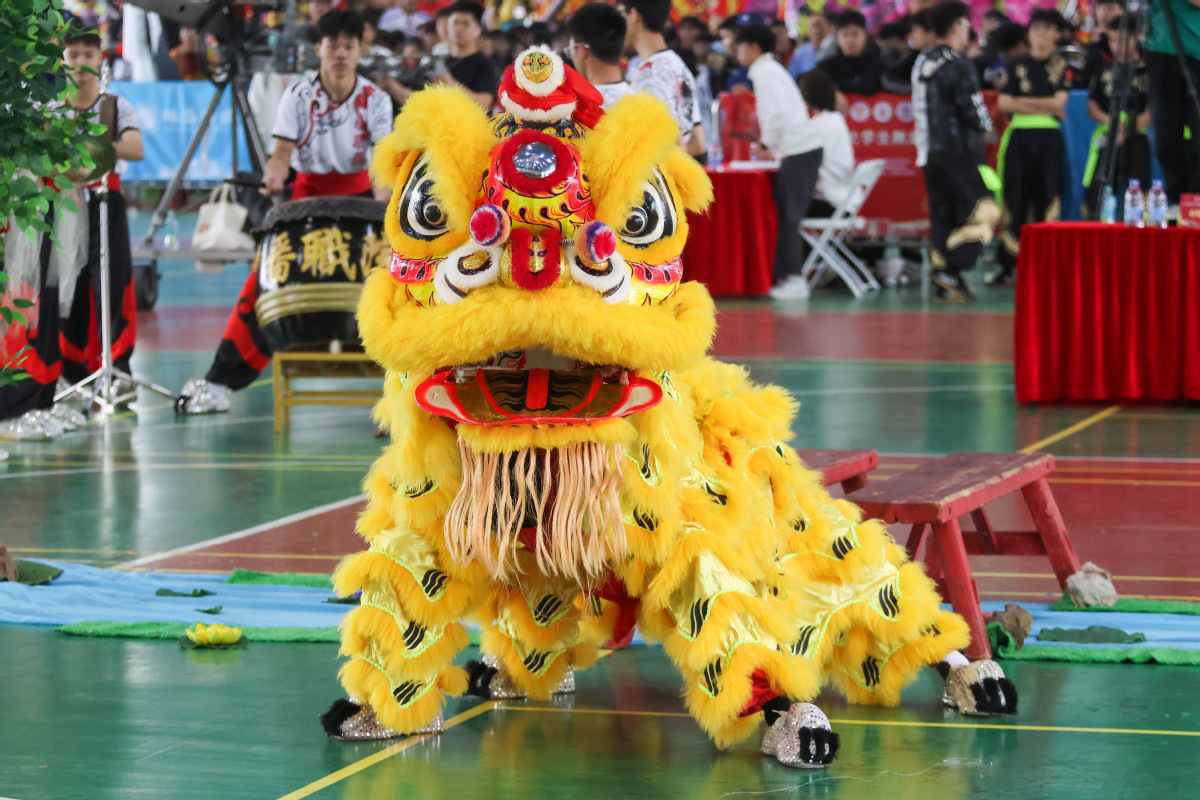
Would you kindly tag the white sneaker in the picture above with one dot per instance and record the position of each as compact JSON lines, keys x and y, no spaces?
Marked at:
{"x":793,"y":288}
{"x":199,"y":396}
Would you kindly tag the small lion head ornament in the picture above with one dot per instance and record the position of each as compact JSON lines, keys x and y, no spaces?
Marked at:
{"x":533,"y":314}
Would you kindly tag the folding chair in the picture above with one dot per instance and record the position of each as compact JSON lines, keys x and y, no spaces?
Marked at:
{"x":826,"y":236}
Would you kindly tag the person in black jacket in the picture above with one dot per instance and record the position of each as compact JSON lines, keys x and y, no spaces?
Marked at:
{"x":855,"y":67}
{"x":951,"y":119}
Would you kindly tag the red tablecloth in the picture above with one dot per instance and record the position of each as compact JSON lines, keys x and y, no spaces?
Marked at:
{"x":1105,"y":312}
{"x":731,"y":249}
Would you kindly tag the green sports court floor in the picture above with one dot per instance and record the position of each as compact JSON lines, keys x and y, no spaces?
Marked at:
{"x":113,"y":718}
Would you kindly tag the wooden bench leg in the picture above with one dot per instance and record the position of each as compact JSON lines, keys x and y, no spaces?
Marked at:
{"x":960,"y":586}
{"x":916,"y":538}
{"x":854,"y":483}
{"x":986,"y":534}
{"x":1050,"y":527}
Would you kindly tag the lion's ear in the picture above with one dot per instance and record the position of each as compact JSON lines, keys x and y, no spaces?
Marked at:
{"x":454,"y":134}
{"x":387,"y":161}
{"x":691,"y":181}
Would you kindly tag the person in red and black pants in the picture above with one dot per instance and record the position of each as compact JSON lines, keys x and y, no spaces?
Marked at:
{"x":325,"y":127}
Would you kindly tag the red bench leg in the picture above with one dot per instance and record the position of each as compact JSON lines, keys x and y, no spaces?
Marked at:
{"x":1050,"y":527}
{"x":854,"y":483}
{"x":960,"y":586}
{"x":915,"y":539}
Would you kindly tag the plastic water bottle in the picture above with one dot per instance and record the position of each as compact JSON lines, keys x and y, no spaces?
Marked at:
{"x":171,"y":232}
{"x":1156,"y":206}
{"x":1135,"y":205}
{"x":1108,"y":207}
{"x":715,"y":155}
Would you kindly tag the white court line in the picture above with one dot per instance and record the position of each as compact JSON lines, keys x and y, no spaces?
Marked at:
{"x":969,"y":387}
{"x":266,"y":466}
{"x":266,"y":526}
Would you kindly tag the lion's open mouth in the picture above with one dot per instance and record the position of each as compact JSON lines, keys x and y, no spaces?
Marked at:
{"x":535,"y":387}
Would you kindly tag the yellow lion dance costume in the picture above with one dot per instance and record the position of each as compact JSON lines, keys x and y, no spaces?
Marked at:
{"x":557,"y":430}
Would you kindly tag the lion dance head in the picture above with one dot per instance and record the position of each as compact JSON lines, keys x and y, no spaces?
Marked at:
{"x":534,"y":310}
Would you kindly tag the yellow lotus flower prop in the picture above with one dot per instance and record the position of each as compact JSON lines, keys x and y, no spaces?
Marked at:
{"x":217,"y":635}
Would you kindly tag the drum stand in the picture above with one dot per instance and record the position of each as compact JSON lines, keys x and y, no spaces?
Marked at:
{"x":107,"y":395}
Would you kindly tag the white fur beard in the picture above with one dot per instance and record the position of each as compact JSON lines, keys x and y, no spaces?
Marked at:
{"x":571,"y":494}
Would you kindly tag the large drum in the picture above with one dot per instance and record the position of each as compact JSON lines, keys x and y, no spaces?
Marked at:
{"x":313,"y":256}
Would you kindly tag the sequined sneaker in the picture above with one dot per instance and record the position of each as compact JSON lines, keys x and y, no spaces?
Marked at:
{"x":801,"y":738}
{"x":501,"y":687}
{"x":980,"y":689}
{"x":199,"y":396}
{"x":36,"y":424}
{"x":365,"y":726}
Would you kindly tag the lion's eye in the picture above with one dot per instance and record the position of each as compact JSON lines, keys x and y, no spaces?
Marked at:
{"x":421,"y":213}
{"x":653,"y":219}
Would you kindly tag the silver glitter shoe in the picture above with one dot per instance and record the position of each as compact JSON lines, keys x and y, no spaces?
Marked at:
{"x":68,"y":416}
{"x":980,"y":689}
{"x":801,"y":738}
{"x":199,"y":396}
{"x":37,"y":424}
{"x":365,"y":726}
{"x":501,"y":686}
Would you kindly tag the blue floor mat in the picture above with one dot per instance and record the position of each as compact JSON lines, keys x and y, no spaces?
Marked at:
{"x":87,"y":593}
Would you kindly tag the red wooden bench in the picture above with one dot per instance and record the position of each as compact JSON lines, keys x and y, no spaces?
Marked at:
{"x":933,"y":497}
{"x":847,"y":467}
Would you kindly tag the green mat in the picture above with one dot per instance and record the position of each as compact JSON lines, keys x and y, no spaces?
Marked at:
{"x":1133,"y":606}
{"x":1092,"y":634}
{"x":173,"y":630}
{"x":251,"y":578}
{"x":33,"y":573}
{"x":1003,"y":647}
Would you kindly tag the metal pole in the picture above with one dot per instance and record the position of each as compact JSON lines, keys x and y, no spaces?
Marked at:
{"x":160,"y":213}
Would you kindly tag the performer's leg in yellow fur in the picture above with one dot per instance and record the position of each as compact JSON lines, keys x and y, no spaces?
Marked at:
{"x":866,"y":614}
{"x":536,"y":635}
{"x":403,"y":637}
{"x":710,"y":601}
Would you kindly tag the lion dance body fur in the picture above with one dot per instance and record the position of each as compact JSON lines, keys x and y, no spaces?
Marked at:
{"x":557,"y":430}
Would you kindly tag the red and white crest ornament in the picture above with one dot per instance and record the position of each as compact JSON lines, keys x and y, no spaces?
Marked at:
{"x":539,"y":87}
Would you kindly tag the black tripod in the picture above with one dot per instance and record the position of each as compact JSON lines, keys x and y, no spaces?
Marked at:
{"x":234,"y":73}
{"x":1121,"y":133}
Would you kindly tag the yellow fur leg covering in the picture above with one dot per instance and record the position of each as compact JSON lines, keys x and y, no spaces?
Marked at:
{"x":718,"y":713}
{"x":536,"y":672}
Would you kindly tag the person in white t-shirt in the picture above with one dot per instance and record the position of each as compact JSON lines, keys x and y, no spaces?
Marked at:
{"x":327,"y":121}
{"x":597,"y":40}
{"x":325,"y":127}
{"x":784,"y":134}
{"x":660,"y":71}
{"x":826,"y":125}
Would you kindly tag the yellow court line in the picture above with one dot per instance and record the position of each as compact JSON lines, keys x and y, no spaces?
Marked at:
{"x":884,"y":722}
{"x":1051,"y":575}
{"x":383,"y":755}
{"x":1055,"y":596}
{"x":1128,"y":482}
{"x":72,"y":550}
{"x":1076,"y":428}
{"x":277,"y":556}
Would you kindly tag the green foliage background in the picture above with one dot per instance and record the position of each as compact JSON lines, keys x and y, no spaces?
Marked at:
{"x":35,"y":144}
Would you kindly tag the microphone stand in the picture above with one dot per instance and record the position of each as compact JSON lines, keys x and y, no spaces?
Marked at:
{"x":107,"y":393}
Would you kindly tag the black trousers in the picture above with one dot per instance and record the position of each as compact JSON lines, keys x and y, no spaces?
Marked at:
{"x":1172,"y":109}
{"x":962,"y":212}
{"x":794,"y":188}
{"x":1033,"y":181}
{"x":1133,"y":161}
{"x":81,"y":327}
